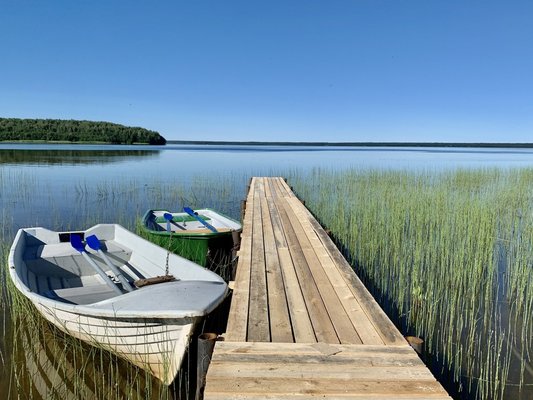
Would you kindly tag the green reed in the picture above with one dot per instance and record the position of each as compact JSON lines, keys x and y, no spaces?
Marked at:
{"x":38,"y":360}
{"x":448,"y":255}
{"x":51,"y":364}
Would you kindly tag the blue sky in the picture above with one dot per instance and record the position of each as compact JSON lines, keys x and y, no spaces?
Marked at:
{"x":305,"y":70}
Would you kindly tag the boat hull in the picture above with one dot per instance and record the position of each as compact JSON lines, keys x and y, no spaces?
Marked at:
{"x":203,"y":247}
{"x":150,"y":326}
{"x":157,"y":345}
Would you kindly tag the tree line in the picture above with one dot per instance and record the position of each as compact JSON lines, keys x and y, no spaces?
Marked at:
{"x":16,"y":129}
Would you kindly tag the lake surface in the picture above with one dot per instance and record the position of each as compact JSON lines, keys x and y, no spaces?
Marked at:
{"x":65,"y":187}
{"x":56,"y":178}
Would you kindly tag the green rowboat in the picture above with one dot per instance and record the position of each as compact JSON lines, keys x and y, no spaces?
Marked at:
{"x":186,"y":236}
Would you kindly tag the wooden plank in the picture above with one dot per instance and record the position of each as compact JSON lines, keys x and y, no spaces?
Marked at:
{"x":322,"y":325}
{"x":266,"y":185}
{"x":367,"y":360}
{"x":258,"y":322}
{"x":300,"y":321}
{"x":326,"y":370}
{"x":281,"y":187}
{"x":271,"y":188}
{"x":301,"y":396}
{"x":279,"y":235}
{"x":284,"y":370}
{"x":286,"y":186}
{"x":280,"y":386}
{"x":224,"y":348}
{"x":342,"y":324}
{"x":384,"y":326}
{"x":280,"y":324}
{"x":237,"y":326}
{"x":359,"y":319}
{"x":367,"y":356}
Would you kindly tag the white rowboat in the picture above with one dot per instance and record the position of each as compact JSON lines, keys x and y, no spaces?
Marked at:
{"x":149,"y":326}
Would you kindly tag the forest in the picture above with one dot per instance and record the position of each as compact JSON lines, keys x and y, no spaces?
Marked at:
{"x":55,"y":130}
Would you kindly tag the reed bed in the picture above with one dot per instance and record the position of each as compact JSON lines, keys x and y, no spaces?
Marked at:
{"x":449,"y":256}
{"x":50,"y":364}
{"x":39,"y":361}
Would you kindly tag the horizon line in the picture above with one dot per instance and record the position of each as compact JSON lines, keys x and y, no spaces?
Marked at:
{"x":355,"y":144}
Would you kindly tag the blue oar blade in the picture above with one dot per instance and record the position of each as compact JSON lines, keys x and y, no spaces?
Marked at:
{"x":93,"y":242}
{"x":194,"y":214}
{"x":76,"y":242}
{"x":189,"y":211}
{"x":168,"y":217}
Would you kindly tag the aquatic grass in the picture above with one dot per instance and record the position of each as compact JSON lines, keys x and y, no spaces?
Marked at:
{"x":82,"y":370}
{"x":51,"y":364}
{"x":448,"y":255}
{"x":59,"y":366}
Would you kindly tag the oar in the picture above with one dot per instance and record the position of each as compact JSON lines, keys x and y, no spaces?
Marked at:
{"x":75,"y":241}
{"x":168,"y":218}
{"x":193,"y":214}
{"x":94,"y":243}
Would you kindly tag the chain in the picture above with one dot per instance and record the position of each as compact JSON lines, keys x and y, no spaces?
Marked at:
{"x":168,"y":253}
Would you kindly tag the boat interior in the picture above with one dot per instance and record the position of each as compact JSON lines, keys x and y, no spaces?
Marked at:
{"x":184,"y":223}
{"x":59,"y":272}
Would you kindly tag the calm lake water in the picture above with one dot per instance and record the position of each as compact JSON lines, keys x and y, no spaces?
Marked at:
{"x":65,"y":187}
{"x":56,"y":179}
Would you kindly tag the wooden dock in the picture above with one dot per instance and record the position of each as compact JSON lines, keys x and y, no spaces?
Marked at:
{"x":301,"y":323}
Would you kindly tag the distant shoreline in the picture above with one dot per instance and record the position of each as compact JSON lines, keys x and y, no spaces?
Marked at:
{"x":357,"y":144}
{"x":291,"y":144}
{"x":78,"y":142}
{"x":74,"y":131}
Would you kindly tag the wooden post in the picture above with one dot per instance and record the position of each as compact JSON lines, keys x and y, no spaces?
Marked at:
{"x":416,"y":343}
{"x":243,"y":209}
{"x":206,"y":343}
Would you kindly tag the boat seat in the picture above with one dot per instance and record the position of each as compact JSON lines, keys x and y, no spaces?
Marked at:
{"x":82,"y":294}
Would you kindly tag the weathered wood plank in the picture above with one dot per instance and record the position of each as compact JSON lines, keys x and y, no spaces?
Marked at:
{"x":302,"y":325}
{"x":325,"y":370}
{"x":280,"y":323}
{"x":258,"y":321}
{"x":279,"y":235}
{"x":341,"y":322}
{"x":281,"y":189}
{"x":322,"y":325}
{"x":325,"y":387}
{"x":237,"y":326}
{"x":300,"y":321}
{"x":283,"y":370}
{"x":266,"y":187}
{"x":285,"y":187}
{"x":362,"y":360}
{"x":301,"y":396}
{"x":351,"y":350}
{"x":384,"y":326}
{"x":359,"y":319}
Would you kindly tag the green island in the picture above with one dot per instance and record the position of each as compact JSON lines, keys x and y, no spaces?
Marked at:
{"x":74,"y":131}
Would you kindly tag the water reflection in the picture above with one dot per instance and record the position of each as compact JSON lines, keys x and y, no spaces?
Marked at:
{"x":53,"y":365}
{"x":72,"y":157}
